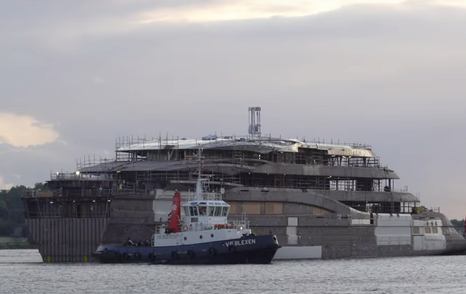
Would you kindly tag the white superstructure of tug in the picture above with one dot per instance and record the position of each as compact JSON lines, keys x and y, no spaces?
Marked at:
{"x":203,"y":221}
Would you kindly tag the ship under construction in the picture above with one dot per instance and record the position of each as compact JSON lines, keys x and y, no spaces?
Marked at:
{"x":321,"y":200}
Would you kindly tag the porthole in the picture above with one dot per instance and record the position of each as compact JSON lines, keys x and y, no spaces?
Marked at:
{"x":185,"y":238}
{"x":200,"y":237}
{"x":211,"y":235}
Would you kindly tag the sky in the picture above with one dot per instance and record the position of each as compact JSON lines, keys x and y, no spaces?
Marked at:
{"x":76,"y":75}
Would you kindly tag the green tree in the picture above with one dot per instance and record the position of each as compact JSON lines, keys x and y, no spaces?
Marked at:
{"x":11,"y":210}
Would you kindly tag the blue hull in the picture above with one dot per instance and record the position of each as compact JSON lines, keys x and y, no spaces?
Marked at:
{"x":247,"y":249}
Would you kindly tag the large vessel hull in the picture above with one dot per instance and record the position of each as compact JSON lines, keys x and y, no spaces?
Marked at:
{"x":302,"y":236}
{"x":66,"y":239}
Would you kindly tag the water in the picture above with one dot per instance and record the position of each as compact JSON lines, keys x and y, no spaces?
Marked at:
{"x":21,"y":271}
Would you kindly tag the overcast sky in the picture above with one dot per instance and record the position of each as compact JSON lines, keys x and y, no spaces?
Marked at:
{"x":74,"y":75}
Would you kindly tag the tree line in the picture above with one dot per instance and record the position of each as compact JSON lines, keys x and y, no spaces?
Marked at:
{"x":12,"y":212}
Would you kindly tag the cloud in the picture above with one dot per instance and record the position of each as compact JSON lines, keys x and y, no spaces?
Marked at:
{"x":25,"y":131}
{"x":212,"y":11}
{"x":451,"y":3}
{"x":248,"y":9}
{"x":62,"y":28}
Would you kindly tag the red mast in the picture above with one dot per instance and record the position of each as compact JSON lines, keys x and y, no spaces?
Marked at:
{"x":174,"y":218}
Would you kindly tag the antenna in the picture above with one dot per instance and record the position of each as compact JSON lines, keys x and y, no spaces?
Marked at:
{"x":199,"y":180}
{"x":255,"y":122}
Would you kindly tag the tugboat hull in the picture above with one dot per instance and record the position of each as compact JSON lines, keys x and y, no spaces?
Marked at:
{"x":247,"y":249}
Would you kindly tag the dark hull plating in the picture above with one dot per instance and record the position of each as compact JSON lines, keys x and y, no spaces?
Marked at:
{"x":248,"y":249}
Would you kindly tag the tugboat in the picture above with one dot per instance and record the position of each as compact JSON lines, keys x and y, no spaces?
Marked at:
{"x":204,"y":236}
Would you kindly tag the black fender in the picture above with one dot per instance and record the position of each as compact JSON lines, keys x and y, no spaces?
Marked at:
{"x":151,"y":257}
{"x":174,"y":255}
{"x":212,"y":251}
{"x":191,"y":254}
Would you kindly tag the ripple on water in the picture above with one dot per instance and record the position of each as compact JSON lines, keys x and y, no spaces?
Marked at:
{"x":21,"y":271}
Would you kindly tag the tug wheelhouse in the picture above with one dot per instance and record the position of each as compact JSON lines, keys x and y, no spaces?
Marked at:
{"x":206,"y":213}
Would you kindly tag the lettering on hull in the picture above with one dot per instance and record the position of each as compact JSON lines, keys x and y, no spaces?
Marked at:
{"x":237,"y":243}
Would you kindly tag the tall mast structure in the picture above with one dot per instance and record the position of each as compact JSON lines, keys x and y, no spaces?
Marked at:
{"x":254,"y":122}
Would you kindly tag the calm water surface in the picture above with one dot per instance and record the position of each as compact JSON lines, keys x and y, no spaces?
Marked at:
{"x":21,"y":271}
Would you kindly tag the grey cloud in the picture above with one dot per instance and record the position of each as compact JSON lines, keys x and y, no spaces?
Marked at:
{"x":391,"y":78}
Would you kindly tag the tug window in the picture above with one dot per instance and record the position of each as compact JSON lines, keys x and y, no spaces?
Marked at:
{"x":224,"y":211}
{"x":218,"y":211}
{"x":211,"y":210}
{"x":193,"y":210}
{"x":202,"y":210}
